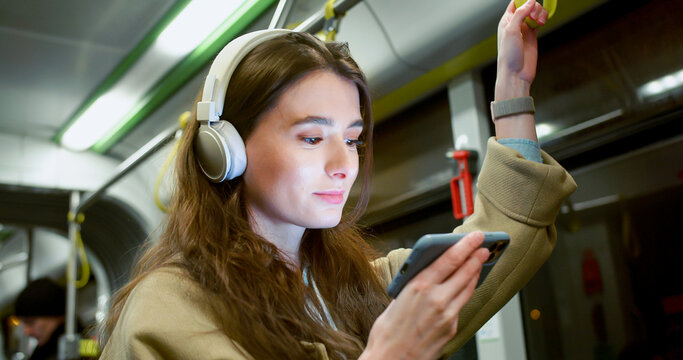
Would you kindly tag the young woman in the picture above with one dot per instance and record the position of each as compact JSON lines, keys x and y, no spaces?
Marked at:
{"x":267,"y":265}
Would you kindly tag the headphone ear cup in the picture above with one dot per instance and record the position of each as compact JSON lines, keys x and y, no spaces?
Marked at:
{"x":220,"y":151}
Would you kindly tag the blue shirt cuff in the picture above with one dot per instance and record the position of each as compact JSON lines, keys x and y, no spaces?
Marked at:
{"x":528,"y":148}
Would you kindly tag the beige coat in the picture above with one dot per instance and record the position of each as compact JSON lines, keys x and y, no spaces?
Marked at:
{"x":169,"y":316}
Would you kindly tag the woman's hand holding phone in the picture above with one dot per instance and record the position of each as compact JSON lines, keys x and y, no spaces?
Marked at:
{"x":424,"y":317}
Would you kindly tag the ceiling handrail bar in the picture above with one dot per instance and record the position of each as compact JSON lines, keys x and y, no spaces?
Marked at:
{"x":316,"y":21}
{"x":284,"y":7}
{"x":129,"y":164}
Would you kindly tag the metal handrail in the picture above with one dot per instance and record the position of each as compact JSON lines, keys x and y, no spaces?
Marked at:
{"x":316,"y":21}
{"x":129,"y":164}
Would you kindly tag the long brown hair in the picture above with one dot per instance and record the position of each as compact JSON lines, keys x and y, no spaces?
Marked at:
{"x":208,"y":232}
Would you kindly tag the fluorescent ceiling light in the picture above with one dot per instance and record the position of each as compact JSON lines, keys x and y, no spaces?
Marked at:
{"x":662,"y":85}
{"x":199,"y":19}
{"x":191,"y":28}
{"x":104,"y":113}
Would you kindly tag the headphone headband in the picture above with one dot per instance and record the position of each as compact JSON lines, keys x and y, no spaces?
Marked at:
{"x":227,"y":60}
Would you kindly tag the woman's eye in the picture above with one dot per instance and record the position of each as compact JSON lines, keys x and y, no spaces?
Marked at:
{"x":311,"y":140}
{"x":354,"y":143}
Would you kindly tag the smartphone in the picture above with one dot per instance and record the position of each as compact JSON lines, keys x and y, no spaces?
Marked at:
{"x":429,"y":247}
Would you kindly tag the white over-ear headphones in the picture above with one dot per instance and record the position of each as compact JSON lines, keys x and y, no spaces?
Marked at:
{"x":218,"y":146}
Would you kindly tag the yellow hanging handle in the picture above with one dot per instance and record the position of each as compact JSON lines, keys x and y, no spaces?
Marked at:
{"x":182,"y":119}
{"x":329,"y":9}
{"x":85,"y":266}
{"x":89,"y":348}
{"x":332,"y":19}
{"x":549,"y":5}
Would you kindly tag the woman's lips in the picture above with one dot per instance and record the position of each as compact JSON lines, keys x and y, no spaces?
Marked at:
{"x":331,"y":197}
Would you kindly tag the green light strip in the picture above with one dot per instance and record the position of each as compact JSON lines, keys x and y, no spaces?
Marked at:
{"x":184,"y":71}
{"x":125,"y":65}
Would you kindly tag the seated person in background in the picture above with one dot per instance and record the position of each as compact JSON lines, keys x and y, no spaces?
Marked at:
{"x":40,"y":308}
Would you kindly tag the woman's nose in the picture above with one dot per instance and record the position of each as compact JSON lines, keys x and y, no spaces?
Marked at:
{"x":340,"y":160}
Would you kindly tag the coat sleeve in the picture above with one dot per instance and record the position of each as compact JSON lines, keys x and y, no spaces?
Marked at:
{"x":168,"y":316}
{"x":522,"y":198}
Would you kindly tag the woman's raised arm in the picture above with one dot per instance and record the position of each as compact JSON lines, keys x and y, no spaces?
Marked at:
{"x":425,"y":316}
{"x":517,"y":57}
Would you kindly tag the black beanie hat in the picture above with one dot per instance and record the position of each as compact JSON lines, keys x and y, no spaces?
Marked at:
{"x":41,"y":297}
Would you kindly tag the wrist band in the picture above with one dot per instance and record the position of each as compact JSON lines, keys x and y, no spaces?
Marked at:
{"x":514,"y":106}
